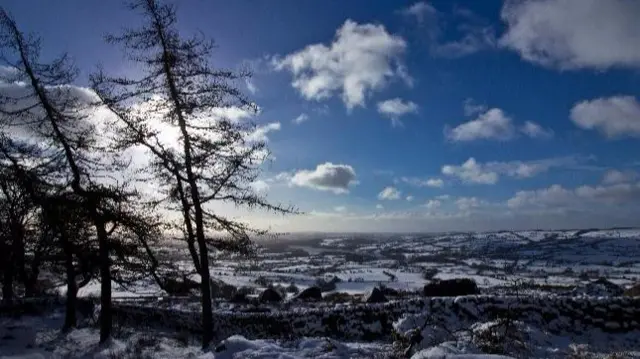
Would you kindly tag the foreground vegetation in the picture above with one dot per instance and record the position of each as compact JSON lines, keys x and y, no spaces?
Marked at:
{"x":75,"y":203}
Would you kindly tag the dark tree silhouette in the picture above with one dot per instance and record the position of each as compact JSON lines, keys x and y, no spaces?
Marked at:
{"x":15,"y":210}
{"x":214,"y":157}
{"x":48,"y":110}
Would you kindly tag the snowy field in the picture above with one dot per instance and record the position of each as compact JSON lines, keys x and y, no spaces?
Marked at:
{"x":548,"y":262}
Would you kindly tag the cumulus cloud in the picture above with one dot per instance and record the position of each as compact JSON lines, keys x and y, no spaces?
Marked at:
{"x":326,"y":177}
{"x":556,"y":196}
{"x":379,"y":206}
{"x":232,"y":113}
{"x":301,"y":118}
{"x":534,"y":130}
{"x":493,"y":124}
{"x":614,"y":117}
{"x":617,"y":176}
{"x":396,"y":108}
{"x":467,"y":203}
{"x":419,"y":182}
{"x":433,"y":204}
{"x":389,"y":193}
{"x":410,"y":198}
{"x":362,"y":59}
{"x":340,"y":209}
{"x":260,"y":133}
{"x":574,"y":34}
{"x":472,"y":171}
{"x":260,"y":186}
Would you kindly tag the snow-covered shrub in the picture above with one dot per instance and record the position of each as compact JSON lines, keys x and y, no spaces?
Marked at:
{"x":502,"y":336}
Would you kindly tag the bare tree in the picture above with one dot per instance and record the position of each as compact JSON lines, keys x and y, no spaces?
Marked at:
{"x":15,"y":209}
{"x":215,"y":159}
{"x":49,"y":110}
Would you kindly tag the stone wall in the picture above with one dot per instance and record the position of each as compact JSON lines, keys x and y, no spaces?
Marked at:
{"x":375,"y":321}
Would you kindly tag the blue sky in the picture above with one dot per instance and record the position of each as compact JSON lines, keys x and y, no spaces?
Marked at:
{"x":417,"y":116}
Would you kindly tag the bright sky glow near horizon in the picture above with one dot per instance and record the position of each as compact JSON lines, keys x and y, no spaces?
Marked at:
{"x":416,"y":116}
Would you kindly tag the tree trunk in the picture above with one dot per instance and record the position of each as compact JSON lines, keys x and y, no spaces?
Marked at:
{"x":18,"y":253}
{"x":7,"y":282}
{"x":72,"y":288}
{"x":32,"y":278}
{"x":205,"y":287}
{"x":194,"y":255}
{"x":105,"y":282}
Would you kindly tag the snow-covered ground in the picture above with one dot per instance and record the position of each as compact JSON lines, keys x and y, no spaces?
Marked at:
{"x":562,"y":262}
{"x":39,"y":337}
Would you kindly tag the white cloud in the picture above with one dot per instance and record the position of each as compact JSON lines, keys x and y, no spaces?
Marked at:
{"x":326,"y":177}
{"x":582,"y":197}
{"x":418,"y":182}
{"x":467,"y":203}
{"x":232,"y":113}
{"x":361,"y":59}
{"x":616,"y":176}
{"x":435,"y":182}
{"x":554,"y":195}
{"x":282,"y":177}
{"x":301,"y":118}
{"x":389,"y":193}
{"x":251,"y":86}
{"x":491,"y":125}
{"x":260,"y":186}
{"x":433,"y":204}
{"x":260,"y":133}
{"x":410,"y":198}
{"x":534,"y":130}
{"x":472,"y":171}
{"x":340,"y":209}
{"x":396,"y":108}
{"x":443,"y":197}
{"x":574,"y":34}
{"x":379,"y":206}
{"x":616,"y":116}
